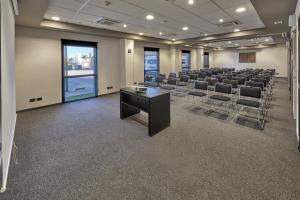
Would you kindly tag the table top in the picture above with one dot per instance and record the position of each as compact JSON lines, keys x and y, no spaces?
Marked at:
{"x":149,"y":93}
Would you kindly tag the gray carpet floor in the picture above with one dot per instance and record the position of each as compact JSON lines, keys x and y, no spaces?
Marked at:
{"x":84,"y":151}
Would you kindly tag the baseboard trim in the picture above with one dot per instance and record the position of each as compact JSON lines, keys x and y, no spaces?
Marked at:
{"x":36,"y":108}
{"x":55,"y":104}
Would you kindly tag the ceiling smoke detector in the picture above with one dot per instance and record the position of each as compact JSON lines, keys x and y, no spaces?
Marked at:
{"x":107,"y":21}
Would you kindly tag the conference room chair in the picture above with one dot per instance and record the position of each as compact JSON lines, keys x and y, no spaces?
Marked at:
{"x":222,"y":97}
{"x":234,"y":85}
{"x":172,"y":75}
{"x":251,"y":97}
{"x":200,"y":90}
{"x":211,"y":83}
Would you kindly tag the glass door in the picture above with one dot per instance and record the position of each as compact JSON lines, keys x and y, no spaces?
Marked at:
{"x":151,"y":61}
{"x":79,"y":70}
{"x":186,"y":61}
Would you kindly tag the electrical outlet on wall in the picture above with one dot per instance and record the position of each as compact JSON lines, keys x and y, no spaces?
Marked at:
{"x":32,"y":100}
{"x":39,"y":99}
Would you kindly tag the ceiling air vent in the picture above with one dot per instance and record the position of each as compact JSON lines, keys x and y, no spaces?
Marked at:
{"x":107,"y":21}
{"x":171,"y":35}
{"x":230,"y":24}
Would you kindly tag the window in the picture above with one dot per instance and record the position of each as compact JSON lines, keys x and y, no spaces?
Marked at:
{"x":247,"y":57}
{"x":79,"y":70}
{"x":186,"y":60}
{"x":151,"y":61}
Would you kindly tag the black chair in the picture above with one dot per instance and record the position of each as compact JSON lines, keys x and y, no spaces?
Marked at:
{"x":251,"y":97}
{"x":241,"y":80}
{"x":200,"y":90}
{"x":170,"y":85}
{"x":183,"y":81}
{"x":193,"y":76}
{"x":234,"y":85}
{"x":211,"y":83}
{"x":222,"y":89}
{"x":255,"y":84}
{"x":173,"y":75}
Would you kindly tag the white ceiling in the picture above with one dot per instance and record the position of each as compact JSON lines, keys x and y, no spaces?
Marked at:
{"x":242,"y":43}
{"x":202,"y":17}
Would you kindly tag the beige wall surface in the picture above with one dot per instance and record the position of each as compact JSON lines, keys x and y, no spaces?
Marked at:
{"x":273,"y":57}
{"x":38,"y":65}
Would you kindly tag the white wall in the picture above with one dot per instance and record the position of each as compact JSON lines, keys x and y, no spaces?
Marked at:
{"x":8,"y":98}
{"x":38,"y":65}
{"x":273,"y":57}
{"x":295,"y":33}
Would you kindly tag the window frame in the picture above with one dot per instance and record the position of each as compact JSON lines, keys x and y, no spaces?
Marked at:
{"x":189,"y":61}
{"x":75,"y":43}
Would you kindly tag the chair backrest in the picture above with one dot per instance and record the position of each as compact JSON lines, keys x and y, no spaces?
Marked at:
{"x":159,"y":79}
{"x":181,"y":74}
{"x":221,"y":78}
{"x":262,"y":80}
{"x":223,"y":88}
{"x":172,"y":81}
{"x":255,"y":84}
{"x":201,"y":75}
{"x":148,"y":78}
{"x":201,"y":85}
{"x":162,"y":75}
{"x":254,"y":92}
{"x":241,"y":80}
{"x":184,"y":78}
{"x":234,"y":83}
{"x":193,"y":76}
{"x":173,"y":75}
{"x":211,"y":81}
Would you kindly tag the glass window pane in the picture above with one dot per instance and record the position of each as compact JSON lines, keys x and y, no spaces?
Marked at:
{"x":151,"y":63}
{"x":80,"y":61}
{"x":79,"y":88}
{"x":185,"y":61}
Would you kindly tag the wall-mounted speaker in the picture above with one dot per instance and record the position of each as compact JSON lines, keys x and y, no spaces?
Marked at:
{"x":292,"y":20}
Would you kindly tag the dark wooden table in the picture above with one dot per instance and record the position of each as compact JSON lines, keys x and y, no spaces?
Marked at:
{"x":155,"y":102}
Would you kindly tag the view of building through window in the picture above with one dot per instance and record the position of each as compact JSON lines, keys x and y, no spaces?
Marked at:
{"x":185,"y":61}
{"x":151,"y":62}
{"x":79,"y":72}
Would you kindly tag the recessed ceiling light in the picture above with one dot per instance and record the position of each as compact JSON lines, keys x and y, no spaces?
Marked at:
{"x":267,"y":40}
{"x":141,"y":33}
{"x":205,"y":45}
{"x":236,"y":44}
{"x":278,"y":22}
{"x":55,"y":18}
{"x":125,"y":25}
{"x":173,"y":39}
{"x":191,"y":2}
{"x":221,"y":20}
{"x":241,"y":9}
{"x":185,"y":28}
{"x":149,"y":17}
{"x":160,"y":33}
{"x":236,"y":30}
{"x":187,"y":45}
{"x":229,"y":42}
{"x":205,"y":34}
